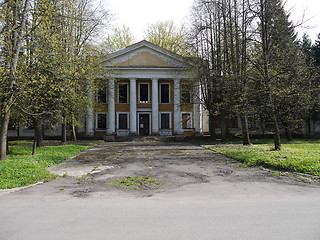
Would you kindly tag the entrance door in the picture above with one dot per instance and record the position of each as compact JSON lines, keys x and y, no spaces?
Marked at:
{"x":144,"y":124}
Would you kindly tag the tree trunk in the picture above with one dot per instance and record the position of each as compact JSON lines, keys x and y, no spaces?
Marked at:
{"x":245,"y":130}
{"x":64,"y":131}
{"x":7,"y":145}
{"x":4,"y":122}
{"x":74,"y":133}
{"x":309,"y":126}
{"x":11,"y":51}
{"x":39,"y":136}
{"x":37,"y":139}
{"x":277,"y":139}
{"x":34,"y":145}
{"x":224,"y":129}
{"x":212,"y":129}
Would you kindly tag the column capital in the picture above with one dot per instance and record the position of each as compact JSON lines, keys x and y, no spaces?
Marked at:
{"x":133,"y":79}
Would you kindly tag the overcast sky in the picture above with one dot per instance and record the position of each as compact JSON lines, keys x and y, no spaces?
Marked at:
{"x":137,"y":14}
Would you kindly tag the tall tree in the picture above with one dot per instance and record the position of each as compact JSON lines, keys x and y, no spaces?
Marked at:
{"x":167,"y":35}
{"x":279,"y":85}
{"x":13,"y":18}
{"x":221,"y":37}
{"x":57,"y":58}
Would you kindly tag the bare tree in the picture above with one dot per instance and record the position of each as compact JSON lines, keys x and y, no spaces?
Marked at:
{"x":221,"y":37}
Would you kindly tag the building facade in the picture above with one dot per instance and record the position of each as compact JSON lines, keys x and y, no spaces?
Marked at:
{"x":148,"y":92}
{"x":144,"y":95}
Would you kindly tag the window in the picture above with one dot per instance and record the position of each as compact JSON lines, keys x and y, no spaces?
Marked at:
{"x":186,"y":120}
{"x":164,"y":93}
{"x":101,"y":121}
{"x":102,"y":95}
{"x":143,"y":93}
{"x":123,"y":92}
{"x":186,"y":93}
{"x":165,"y":121}
{"x":123,"y":120}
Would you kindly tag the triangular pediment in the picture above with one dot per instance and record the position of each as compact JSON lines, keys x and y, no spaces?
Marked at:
{"x":146,"y":54}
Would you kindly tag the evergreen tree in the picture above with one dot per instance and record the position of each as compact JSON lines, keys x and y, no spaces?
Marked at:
{"x":280,"y":89}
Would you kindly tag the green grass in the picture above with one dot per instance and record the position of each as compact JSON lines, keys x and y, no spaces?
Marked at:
{"x":301,"y":156}
{"x":136,"y":183}
{"x":257,"y":141}
{"x":21,"y":168}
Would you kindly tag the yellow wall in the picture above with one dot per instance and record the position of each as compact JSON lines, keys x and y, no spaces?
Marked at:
{"x":144,"y":59}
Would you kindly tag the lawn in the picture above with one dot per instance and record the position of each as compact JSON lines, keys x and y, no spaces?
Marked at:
{"x":21,"y":168}
{"x":300,"y":156}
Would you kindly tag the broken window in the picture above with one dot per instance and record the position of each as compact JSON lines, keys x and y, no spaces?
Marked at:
{"x":186,"y":120}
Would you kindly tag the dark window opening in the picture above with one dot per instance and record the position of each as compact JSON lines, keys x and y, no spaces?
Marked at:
{"x":144,"y":93}
{"x":101,"y":121}
{"x":123,"y":93}
{"x":123,"y":121}
{"x":165,"y":93}
{"x":165,"y":121}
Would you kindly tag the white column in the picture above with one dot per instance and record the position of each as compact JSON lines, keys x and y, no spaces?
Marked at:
{"x":111,"y":108}
{"x":177,"y":111}
{"x":90,"y":113}
{"x":155,"y":107}
{"x":196,"y":110}
{"x":133,"y":105}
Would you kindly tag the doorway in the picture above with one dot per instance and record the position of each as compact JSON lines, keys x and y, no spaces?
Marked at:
{"x":144,"y":124}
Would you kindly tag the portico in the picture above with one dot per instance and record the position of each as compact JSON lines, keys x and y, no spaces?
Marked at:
{"x":144,"y":94}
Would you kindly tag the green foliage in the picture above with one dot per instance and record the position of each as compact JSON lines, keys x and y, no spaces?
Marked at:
{"x":119,"y":38}
{"x":167,"y":35}
{"x":136,"y":183}
{"x":299,"y":157}
{"x":21,"y":169}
